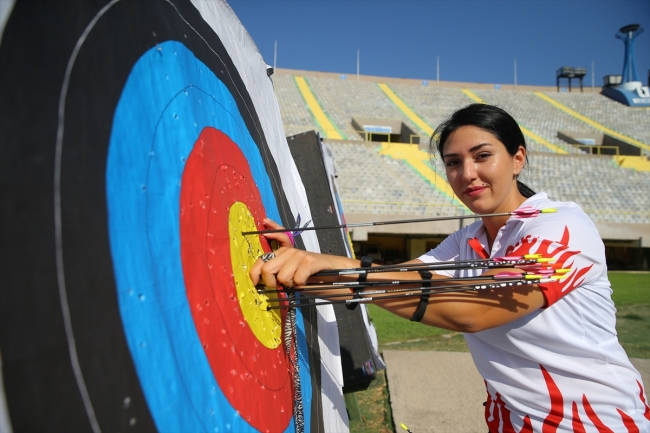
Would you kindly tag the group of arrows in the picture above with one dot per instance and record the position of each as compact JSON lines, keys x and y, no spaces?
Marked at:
{"x":533,"y":269}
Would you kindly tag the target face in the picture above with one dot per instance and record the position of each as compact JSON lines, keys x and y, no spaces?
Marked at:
{"x":158,"y":141}
{"x":194,"y":181}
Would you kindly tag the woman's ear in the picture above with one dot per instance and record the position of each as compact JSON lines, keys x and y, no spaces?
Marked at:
{"x":519,"y":160}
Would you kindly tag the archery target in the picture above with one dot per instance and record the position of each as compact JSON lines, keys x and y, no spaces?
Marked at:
{"x":181,"y":169}
{"x":111,"y":336}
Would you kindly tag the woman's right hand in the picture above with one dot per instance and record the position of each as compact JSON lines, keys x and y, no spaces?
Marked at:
{"x":292,"y":267}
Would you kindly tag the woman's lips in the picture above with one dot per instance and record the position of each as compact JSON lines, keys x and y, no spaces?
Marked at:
{"x":473,"y":191}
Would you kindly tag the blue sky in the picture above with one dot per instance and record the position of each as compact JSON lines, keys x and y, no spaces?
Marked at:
{"x":477,"y":40}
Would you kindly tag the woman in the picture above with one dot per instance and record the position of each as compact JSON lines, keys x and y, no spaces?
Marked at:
{"x":548,"y":352}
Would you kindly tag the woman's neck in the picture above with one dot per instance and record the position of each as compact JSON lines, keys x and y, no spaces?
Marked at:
{"x":492,"y":227}
{"x":494,"y":224}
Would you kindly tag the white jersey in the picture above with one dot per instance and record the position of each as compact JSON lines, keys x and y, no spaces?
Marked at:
{"x":560,"y":368}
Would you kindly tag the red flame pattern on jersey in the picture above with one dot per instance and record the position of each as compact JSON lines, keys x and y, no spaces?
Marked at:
{"x":563,"y":256}
{"x":555,"y":416}
{"x":628,"y":422}
{"x":576,"y":424}
{"x":646,"y":414}
{"x":497,"y":415}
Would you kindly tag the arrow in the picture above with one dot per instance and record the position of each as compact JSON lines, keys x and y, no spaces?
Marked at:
{"x":360,"y":285}
{"x":524,"y":212}
{"x":411,"y":292}
{"x":534,"y":261}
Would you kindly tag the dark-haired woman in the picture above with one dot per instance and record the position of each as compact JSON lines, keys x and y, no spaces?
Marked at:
{"x":548,"y":352}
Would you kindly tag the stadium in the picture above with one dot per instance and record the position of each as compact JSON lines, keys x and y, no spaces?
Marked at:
{"x":583,"y":147}
{"x":146,"y":146}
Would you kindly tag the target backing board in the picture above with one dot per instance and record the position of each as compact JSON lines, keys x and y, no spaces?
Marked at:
{"x":139,"y":139}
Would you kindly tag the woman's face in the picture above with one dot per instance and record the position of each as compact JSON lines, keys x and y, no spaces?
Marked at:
{"x":481,"y":171}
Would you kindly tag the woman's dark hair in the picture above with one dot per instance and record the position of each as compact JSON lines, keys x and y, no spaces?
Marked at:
{"x":489,"y":118}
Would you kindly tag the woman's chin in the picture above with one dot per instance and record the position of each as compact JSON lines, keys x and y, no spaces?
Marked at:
{"x":477,"y":206}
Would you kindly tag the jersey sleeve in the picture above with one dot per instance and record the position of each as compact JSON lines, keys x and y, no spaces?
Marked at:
{"x":571,"y":239}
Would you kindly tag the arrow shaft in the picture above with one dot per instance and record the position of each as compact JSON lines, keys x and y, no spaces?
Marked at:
{"x":361,"y":285}
{"x":413,"y":293}
{"x":525,"y":212}
{"x":380,"y":223}
{"x":452,"y":265}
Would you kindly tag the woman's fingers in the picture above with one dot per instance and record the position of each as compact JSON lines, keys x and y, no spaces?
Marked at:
{"x":290,"y":267}
{"x":265,"y":268}
{"x":284,"y":239}
{"x":256,"y":271}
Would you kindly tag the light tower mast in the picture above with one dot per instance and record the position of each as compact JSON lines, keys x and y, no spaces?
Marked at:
{"x":627,"y":34}
{"x":628,"y":89}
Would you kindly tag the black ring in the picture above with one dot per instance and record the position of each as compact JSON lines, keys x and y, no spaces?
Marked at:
{"x":267,"y":256}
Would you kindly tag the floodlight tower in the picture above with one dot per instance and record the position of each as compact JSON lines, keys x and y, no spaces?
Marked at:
{"x":628,"y":89}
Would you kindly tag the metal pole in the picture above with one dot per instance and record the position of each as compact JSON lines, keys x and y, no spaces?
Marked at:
{"x":358,"y":55}
{"x":593,"y":75}
{"x":275,"y":54}
{"x":437,"y":71}
{"x":515,"y":74}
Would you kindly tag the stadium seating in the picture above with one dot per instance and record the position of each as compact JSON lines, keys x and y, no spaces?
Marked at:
{"x":605,"y":191}
{"x":295,"y":115}
{"x":371,"y":181}
{"x":631,"y":121}
{"x":360,"y":98}
{"x":536,"y":115}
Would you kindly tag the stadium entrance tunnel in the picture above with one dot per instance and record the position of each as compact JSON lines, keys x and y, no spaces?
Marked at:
{"x":384,"y":130}
{"x":626,"y":255}
{"x":598,"y":143}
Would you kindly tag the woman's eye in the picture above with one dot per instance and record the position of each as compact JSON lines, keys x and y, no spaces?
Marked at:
{"x":451,"y":162}
{"x":483,"y":155}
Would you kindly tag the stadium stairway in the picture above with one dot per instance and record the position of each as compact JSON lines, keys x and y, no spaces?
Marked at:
{"x":296,"y":116}
{"x":327,"y":127}
{"x":406,"y":110}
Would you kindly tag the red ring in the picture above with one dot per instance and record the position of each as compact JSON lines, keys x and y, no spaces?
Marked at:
{"x":254,"y":378}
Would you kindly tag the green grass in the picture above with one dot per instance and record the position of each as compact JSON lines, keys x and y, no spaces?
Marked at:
{"x":631,"y":295}
{"x":630,"y":287}
{"x":396,"y":333}
{"x":392,"y":328}
{"x":633,"y":327}
{"x":374,"y":415}
{"x":632,"y":298}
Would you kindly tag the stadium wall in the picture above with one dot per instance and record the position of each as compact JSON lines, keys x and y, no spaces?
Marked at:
{"x":418,"y":81}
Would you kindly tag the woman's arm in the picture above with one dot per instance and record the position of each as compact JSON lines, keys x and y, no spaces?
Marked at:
{"x":474,"y":310}
{"x":468,"y":311}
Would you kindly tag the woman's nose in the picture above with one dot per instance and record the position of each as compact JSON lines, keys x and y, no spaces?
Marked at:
{"x":469,"y":171}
